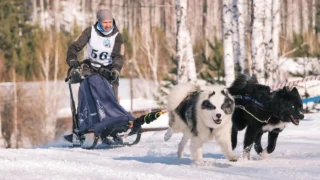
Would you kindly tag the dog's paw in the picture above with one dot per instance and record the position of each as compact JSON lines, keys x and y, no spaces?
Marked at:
{"x":233,"y":158}
{"x":264,"y":154}
{"x":199,"y":162}
{"x":168,"y":135}
{"x":245,"y":156}
{"x":180,"y":154}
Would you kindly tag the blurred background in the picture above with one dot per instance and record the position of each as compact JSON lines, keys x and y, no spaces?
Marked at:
{"x":166,"y":42}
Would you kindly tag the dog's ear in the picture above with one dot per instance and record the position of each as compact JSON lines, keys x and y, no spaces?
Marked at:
{"x":285,"y":89}
{"x":295,"y":90}
{"x":225,"y":92}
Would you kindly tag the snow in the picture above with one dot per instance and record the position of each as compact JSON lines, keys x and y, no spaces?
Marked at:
{"x":297,"y":156}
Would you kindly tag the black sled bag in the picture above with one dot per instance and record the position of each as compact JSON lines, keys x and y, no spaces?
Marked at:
{"x":98,"y":108}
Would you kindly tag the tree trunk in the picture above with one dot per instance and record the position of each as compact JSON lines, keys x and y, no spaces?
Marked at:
{"x":56,"y":65}
{"x":269,"y":62}
{"x":15,"y":111}
{"x":289,"y":28}
{"x":228,"y":42}
{"x":242,"y":8}
{"x":42,"y":15}
{"x":275,"y":38}
{"x":305,"y":16}
{"x":235,"y":30}
{"x":186,"y":64}
{"x":314,"y":13}
{"x":296,"y":19}
{"x":34,"y":12}
{"x":257,"y":40}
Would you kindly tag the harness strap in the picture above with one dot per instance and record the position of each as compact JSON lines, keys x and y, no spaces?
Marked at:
{"x":250,"y":99}
{"x":262,"y":121}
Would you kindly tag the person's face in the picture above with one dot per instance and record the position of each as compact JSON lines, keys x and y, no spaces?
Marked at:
{"x":107,"y":24}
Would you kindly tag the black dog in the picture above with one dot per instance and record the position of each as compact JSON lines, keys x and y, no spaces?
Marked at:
{"x":262,"y":111}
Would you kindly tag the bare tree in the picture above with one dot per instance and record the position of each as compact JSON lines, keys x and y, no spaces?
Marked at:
{"x":42,"y":15}
{"x":228,"y":42}
{"x":242,"y":26}
{"x":290,"y":19}
{"x":186,"y":69}
{"x":275,"y":38}
{"x":313,"y":16}
{"x":257,"y":40}
{"x":235,"y":31}
{"x":15,"y":110}
{"x":304,"y":4}
{"x":268,"y":42}
{"x":296,"y":16}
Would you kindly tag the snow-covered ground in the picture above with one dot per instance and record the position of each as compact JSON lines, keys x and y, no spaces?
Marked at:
{"x":297,"y":156}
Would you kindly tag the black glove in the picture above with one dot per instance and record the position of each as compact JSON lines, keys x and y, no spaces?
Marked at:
{"x":114,"y":75}
{"x":73,"y":63}
{"x":106,"y":73}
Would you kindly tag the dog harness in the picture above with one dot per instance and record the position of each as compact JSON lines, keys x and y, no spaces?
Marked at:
{"x":260,"y":105}
{"x":249,"y":98}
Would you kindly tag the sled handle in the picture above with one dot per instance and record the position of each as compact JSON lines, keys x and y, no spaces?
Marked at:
{"x":86,"y":61}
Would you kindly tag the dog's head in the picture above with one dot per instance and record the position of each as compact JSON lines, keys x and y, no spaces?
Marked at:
{"x":288,"y":105}
{"x":216,"y":107}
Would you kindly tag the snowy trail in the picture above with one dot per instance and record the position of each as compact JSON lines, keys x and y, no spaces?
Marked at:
{"x":297,"y":156}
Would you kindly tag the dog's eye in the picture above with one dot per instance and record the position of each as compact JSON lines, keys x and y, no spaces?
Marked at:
{"x":207,"y":105}
{"x":292,"y":106}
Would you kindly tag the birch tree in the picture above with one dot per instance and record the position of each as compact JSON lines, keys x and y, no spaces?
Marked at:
{"x":257,"y":40}
{"x":242,"y":9}
{"x":268,"y":64}
{"x":296,"y":16}
{"x":313,"y":16}
{"x":227,"y":42}
{"x":42,"y":15}
{"x":186,"y":64}
{"x":290,"y":19}
{"x":275,"y":38}
{"x":235,"y":31}
{"x":305,"y":16}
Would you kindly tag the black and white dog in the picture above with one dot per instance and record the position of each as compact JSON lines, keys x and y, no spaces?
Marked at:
{"x":262,"y":111}
{"x":200,"y":116}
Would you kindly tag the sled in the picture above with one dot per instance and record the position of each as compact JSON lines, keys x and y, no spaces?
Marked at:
{"x":99,"y":116}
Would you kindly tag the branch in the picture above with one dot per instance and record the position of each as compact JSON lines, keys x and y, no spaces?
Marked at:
{"x":293,"y":50}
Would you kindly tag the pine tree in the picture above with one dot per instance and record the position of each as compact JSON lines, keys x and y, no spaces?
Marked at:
{"x":16,"y":38}
{"x":214,"y":64}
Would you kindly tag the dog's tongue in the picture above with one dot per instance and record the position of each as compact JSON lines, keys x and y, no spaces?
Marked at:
{"x":294,"y":120}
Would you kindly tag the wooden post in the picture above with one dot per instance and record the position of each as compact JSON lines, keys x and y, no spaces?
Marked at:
{"x":1,"y":138}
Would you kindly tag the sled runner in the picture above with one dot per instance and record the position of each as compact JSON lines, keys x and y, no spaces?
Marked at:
{"x":99,"y":115}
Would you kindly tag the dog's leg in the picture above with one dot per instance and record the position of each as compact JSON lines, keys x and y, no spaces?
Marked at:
{"x":225,"y":145}
{"x":234,"y":137}
{"x":272,"y":141}
{"x":257,"y":143}
{"x":168,"y":134}
{"x":182,"y":144}
{"x":196,"y":149}
{"x":249,"y":138}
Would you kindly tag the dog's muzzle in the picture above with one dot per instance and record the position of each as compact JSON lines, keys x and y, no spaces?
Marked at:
{"x":217,"y":121}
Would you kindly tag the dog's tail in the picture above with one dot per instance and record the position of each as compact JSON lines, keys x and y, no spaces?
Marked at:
{"x":241,"y":82}
{"x":178,"y":93}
